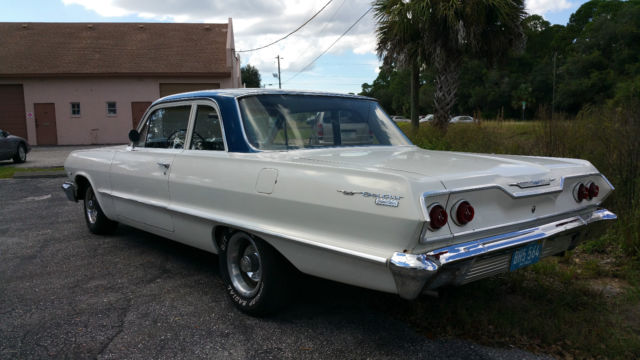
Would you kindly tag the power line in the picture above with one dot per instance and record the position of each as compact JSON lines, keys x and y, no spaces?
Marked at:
{"x":330,"y":46}
{"x":323,"y":27}
{"x":291,"y":33}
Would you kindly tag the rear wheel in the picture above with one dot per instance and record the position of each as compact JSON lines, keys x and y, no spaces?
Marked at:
{"x":97,"y":221}
{"x":255,"y":275}
{"x":21,"y":154}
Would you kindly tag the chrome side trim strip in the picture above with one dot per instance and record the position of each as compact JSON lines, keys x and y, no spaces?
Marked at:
{"x":263,"y":230}
{"x":134,"y":198}
{"x":246,"y":226}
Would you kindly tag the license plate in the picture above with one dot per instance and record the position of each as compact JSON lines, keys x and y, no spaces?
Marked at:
{"x":525,"y":256}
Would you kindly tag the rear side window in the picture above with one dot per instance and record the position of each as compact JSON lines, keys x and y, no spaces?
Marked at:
{"x":166,"y":128}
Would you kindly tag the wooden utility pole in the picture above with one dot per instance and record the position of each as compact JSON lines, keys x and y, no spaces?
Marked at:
{"x":279,"y":82}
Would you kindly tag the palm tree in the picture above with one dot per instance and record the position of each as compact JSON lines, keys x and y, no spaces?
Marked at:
{"x":452,"y":29}
{"x":447,"y":31}
{"x":399,"y":43}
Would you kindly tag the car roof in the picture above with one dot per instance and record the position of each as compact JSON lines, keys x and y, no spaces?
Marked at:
{"x":240,"y":92}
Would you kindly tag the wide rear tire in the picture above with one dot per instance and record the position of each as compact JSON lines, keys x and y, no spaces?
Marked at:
{"x":255,"y":275}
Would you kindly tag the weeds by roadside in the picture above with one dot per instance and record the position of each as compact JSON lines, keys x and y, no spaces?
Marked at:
{"x":585,"y":304}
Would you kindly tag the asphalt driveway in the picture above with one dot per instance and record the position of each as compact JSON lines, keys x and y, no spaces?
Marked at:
{"x":65,"y":293}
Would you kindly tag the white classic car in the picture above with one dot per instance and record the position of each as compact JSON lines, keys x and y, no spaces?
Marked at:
{"x":243,"y":174}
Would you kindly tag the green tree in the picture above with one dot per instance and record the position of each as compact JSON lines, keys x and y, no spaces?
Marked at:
{"x":453,"y":29}
{"x":250,"y":76}
{"x":602,"y":56}
{"x":399,"y":43}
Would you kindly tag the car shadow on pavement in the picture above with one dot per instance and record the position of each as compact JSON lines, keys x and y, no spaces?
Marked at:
{"x":310,"y":295}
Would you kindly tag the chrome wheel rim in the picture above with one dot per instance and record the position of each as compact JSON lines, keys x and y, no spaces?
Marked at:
{"x":21,"y":153}
{"x":244,"y":265}
{"x":91,"y":206}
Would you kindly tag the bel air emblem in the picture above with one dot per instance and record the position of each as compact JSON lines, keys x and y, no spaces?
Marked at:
{"x":380,"y":199}
{"x":532,"y":183}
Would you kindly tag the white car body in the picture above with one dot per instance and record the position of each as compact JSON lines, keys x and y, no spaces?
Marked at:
{"x":357,"y":215}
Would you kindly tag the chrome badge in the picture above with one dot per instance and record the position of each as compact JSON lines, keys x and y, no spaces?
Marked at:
{"x":532,"y":183}
{"x":380,"y":199}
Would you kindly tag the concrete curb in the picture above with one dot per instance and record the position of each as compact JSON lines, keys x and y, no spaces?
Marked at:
{"x":39,"y":174}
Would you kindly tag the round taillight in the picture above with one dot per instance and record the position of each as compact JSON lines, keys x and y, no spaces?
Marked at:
{"x":581,"y":192}
{"x":594,"y":190}
{"x":464,"y":212}
{"x":437,"y":216}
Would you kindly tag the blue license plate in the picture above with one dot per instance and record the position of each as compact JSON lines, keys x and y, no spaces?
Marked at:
{"x":525,"y":256}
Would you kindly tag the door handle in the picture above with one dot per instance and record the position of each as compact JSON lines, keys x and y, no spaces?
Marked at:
{"x":164,"y":165}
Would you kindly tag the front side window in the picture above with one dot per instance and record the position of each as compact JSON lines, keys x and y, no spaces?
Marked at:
{"x":284,"y":122}
{"x":207,"y":132}
{"x":111,"y":108}
{"x":166,"y":128}
{"x":75,"y":109}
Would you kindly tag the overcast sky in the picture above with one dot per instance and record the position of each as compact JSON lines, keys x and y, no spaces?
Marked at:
{"x":348,"y":64}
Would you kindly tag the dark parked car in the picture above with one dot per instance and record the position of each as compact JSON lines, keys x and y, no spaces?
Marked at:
{"x":13,"y":147}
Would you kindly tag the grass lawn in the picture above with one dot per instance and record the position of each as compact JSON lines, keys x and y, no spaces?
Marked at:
{"x":8,"y":171}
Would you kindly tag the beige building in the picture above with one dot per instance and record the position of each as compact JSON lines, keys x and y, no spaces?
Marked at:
{"x":81,"y":83}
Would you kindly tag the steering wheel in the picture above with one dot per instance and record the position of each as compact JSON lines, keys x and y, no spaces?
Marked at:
{"x":174,"y":141}
{"x":197,"y":143}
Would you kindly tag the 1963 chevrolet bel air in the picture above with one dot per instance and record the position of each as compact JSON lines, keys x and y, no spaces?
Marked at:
{"x":328,"y":185}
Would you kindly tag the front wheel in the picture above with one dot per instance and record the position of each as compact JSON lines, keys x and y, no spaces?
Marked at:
{"x":97,"y":221}
{"x":21,"y":154}
{"x":254,"y":274}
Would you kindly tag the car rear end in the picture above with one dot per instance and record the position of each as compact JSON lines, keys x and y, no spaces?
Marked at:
{"x":474,"y":232}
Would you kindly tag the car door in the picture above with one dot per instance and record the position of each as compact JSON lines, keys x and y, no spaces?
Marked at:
{"x":202,"y":178}
{"x":140,"y":174}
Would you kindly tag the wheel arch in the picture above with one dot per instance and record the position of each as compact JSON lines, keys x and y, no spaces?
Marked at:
{"x":82,"y":183}
{"x":223,"y":232}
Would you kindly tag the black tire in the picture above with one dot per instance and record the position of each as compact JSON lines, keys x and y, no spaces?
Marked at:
{"x":255,"y":274}
{"x":97,"y":221}
{"x":21,"y":154}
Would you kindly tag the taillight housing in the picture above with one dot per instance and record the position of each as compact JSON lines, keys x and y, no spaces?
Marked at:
{"x":462,"y":212}
{"x":594,"y":190}
{"x":585,"y":192}
{"x":437,"y":216}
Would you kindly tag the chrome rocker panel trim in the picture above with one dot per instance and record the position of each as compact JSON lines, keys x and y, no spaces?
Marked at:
{"x":415,"y":272}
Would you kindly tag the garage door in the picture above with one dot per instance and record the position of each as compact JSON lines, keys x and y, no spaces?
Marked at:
{"x":137,"y":110}
{"x":12,"y":113}
{"x":174,"y":88}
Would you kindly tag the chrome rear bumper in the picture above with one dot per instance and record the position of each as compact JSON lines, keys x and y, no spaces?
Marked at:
{"x":469,"y":261}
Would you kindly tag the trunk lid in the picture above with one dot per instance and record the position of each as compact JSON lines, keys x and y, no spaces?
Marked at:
{"x":455,"y":169}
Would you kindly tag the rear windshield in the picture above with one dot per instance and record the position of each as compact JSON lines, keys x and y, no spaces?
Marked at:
{"x":283,"y":122}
